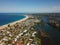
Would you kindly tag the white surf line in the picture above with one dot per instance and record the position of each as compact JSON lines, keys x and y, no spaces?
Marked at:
{"x":12,"y":23}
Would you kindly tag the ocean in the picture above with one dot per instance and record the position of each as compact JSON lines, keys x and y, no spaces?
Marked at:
{"x":6,"y":18}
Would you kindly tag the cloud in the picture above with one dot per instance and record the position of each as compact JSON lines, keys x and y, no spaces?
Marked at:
{"x":50,"y":9}
{"x":34,"y":9}
{"x":56,"y":8}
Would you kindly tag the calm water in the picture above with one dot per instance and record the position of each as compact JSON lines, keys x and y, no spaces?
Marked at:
{"x":8,"y":18}
{"x":52,"y":32}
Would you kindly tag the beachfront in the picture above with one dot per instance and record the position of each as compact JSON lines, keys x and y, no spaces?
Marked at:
{"x":12,"y":23}
{"x":21,"y":32}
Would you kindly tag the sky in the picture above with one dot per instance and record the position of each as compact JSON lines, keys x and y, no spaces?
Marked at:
{"x":29,"y":6}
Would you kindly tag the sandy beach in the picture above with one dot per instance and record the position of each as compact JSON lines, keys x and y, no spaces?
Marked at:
{"x":12,"y":23}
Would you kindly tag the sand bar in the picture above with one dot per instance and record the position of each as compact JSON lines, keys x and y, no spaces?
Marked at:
{"x":12,"y":23}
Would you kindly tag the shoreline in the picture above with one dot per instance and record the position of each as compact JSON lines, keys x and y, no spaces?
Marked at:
{"x":12,"y":23}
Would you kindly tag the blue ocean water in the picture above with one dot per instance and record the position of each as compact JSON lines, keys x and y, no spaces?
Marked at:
{"x":6,"y":18}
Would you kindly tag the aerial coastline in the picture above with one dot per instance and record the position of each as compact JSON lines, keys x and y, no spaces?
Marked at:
{"x":12,"y":23}
{"x":29,"y":22}
{"x":33,"y":29}
{"x":21,"y":32}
